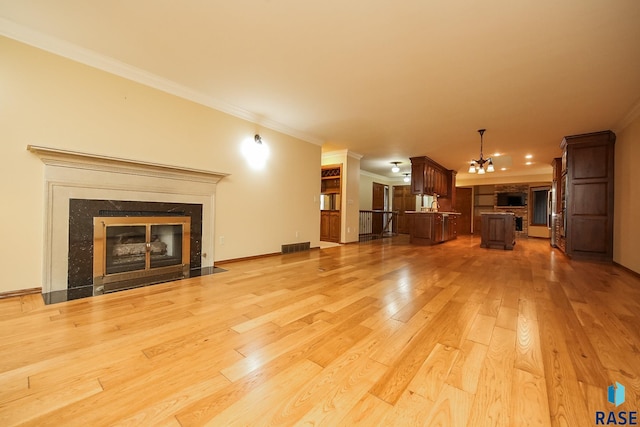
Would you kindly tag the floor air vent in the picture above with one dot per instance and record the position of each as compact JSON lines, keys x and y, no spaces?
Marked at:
{"x":296,"y":247}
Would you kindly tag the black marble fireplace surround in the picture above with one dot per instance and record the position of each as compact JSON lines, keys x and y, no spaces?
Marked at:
{"x":81,"y":214}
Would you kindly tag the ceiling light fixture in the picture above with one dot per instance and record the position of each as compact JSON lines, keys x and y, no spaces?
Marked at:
{"x":406,"y":177}
{"x":258,"y":138}
{"x":478,"y":165}
{"x":395,"y":168}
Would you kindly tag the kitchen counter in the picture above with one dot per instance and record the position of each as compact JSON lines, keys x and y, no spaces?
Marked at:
{"x":430,"y":228}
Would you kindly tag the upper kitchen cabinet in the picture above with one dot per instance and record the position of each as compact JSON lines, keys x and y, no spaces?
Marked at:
{"x":429,"y":177}
{"x":418,"y":173}
{"x":586,"y":191}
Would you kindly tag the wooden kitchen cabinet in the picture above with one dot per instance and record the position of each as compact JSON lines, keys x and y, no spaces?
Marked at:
{"x":330,"y":216}
{"x":430,"y":228}
{"x":440,"y":182}
{"x":417,"y":176}
{"x":452,"y":229}
{"x":428,"y":177}
{"x":586,"y":191}
{"x":498,"y":230}
{"x":330,"y":226}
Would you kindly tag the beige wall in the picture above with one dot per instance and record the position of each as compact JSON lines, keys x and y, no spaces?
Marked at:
{"x":50,"y":101}
{"x":626,"y":233}
{"x":366,"y":190}
{"x":539,"y":231}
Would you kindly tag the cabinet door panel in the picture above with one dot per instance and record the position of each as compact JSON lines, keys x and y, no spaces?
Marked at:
{"x":324,"y":226}
{"x":417,"y":178}
{"x":334,"y":226}
{"x":496,"y":229}
{"x":589,"y":162}
{"x":429,"y":187}
{"x":592,"y":235}
{"x":590,"y":199}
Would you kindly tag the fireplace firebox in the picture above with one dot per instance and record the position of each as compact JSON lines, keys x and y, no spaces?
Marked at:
{"x":136,"y":251}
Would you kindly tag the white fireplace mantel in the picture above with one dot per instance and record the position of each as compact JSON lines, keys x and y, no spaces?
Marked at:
{"x":76,"y":159}
{"x":75,"y":175}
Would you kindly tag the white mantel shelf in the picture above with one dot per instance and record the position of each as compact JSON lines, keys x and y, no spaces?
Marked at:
{"x":76,"y":159}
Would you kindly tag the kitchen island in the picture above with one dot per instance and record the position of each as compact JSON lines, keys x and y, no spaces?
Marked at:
{"x":430,"y":228}
{"x":498,"y":230}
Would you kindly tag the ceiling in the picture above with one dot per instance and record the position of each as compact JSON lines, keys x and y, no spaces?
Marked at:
{"x":387,"y":80}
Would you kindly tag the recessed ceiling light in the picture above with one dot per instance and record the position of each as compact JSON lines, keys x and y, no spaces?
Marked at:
{"x":529,"y":163}
{"x":503,"y":169}
{"x":497,"y":154}
{"x":529,"y":156}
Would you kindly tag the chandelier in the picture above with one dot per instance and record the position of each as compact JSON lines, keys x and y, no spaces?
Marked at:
{"x":478,"y":165}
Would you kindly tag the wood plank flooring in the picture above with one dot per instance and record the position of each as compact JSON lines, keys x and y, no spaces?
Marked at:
{"x":376,"y":334}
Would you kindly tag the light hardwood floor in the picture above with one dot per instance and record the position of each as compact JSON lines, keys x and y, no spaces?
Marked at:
{"x":381,"y":333}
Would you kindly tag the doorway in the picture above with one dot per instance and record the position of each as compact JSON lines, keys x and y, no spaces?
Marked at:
{"x":379,"y":205}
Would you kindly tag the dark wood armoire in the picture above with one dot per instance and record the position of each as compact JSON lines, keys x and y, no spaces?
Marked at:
{"x":586,"y":196}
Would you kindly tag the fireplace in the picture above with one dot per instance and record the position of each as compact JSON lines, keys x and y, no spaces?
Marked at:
{"x":82,"y":186}
{"x":136,"y":251}
{"x":518,"y":223}
{"x":127,"y":226}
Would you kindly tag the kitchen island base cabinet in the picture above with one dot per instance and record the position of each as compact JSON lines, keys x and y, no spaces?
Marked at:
{"x":498,"y":230}
{"x":430,"y":228}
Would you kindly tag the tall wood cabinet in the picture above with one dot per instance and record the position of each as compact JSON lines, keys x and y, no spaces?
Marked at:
{"x":586,"y":196}
{"x":330,"y":191}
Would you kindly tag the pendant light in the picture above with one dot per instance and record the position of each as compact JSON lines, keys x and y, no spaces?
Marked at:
{"x":478,"y":165}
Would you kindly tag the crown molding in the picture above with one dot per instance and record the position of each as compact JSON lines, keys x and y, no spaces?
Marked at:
{"x":629,"y":118}
{"x":344,"y":152}
{"x":88,"y":57}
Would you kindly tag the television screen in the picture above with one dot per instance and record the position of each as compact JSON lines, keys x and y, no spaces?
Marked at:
{"x":512,"y":199}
